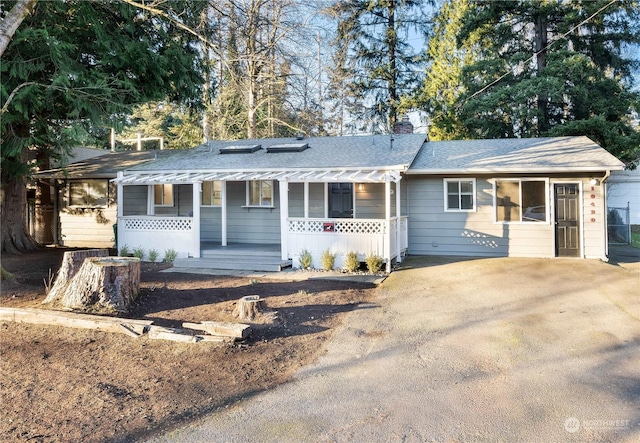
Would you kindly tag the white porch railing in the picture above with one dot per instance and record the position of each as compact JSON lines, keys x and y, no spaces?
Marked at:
{"x":340,"y":236}
{"x":159,"y":233}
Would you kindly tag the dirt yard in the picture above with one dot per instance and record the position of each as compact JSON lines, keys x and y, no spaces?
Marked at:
{"x":59,"y":384}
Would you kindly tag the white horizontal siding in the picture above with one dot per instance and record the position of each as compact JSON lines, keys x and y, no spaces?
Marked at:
{"x":88,"y":229}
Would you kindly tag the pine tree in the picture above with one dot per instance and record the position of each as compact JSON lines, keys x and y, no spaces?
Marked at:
{"x":551,"y":68}
{"x":443,"y":83}
{"x":378,"y":64}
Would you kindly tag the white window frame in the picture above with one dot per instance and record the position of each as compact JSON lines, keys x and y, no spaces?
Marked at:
{"x":86,"y":187}
{"x":445,"y":183}
{"x":163,"y":203}
{"x":262,"y":197}
{"x":520,"y":181}
{"x":215,"y":187}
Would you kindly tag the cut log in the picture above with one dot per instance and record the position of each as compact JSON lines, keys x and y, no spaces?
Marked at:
{"x":131,"y":327}
{"x":103,"y":284}
{"x":253,"y":308}
{"x":71,"y":263}
{"x":235,"y":330}
{"x":173,"y":334}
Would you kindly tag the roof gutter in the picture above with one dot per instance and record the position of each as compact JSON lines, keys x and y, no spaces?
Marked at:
{"x":537,"y":170}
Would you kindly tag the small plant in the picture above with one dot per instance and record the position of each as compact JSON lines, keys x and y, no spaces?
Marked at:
{"x":139,"y":252}
{"x":170,"y":256}
{"x":153,"y":255}
{"x":48,"y":282}
{"x":305,"y":259}
{"x":253,"y":281}
{"x":124,"y":251}
{"x":304,"y":292}
{"x":328,"y":260}
{"x":374,"y":263}
{"x":351,"y":262}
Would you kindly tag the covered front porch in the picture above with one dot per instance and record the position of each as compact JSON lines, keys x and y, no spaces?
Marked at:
{"x":339,"y":211}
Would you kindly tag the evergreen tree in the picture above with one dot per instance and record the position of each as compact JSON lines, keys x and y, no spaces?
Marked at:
{"x":377,"y":66}
{"x":179,"y":125}
{"x":551,"y":68}
{"x":70,"y":67}
{"x":443,"y":84}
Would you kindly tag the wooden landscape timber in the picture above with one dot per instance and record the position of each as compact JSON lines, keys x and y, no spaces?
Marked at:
{"x":229,"y":332}
{"x":184,"y":335}
{"x":234,"y":330}
{"x":131,"y":327}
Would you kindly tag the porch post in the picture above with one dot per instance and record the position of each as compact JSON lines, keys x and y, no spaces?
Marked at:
{"x":223,"y":212}
{"x":387,"y":216}
{"x":151,"y":209}
{"x":398,"y":231}
{"x":284,"y":215}
{"x":306,"y":199}
{"x":195,"y":223}
{"x":120,"y":195}
{"x":119,"y":209}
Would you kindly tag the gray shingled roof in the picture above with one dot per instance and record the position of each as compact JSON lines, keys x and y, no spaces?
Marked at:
{"x":104,"y":166}
{"x":553,"y":154}
{"x":378,"y":151}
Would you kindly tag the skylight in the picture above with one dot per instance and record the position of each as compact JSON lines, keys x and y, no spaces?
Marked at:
{"x":239,"y":149}
{"x":288,"y":147}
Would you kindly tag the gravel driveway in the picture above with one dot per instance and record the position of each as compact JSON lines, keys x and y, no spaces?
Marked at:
{"x":513,"y":350}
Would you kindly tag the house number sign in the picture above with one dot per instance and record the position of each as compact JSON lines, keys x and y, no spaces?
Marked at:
{"x":593,"y":204}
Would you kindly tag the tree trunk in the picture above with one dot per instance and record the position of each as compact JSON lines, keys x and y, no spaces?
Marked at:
{"x":13,"y":204}
{"x":102,"y":284}
{"x":72,"y":261}
{"x":249,"y":307}
{"x":12,"y":21}
{"x":541,"y":61}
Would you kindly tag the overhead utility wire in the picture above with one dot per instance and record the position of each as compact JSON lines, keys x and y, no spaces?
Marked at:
{"x":543,"y":49}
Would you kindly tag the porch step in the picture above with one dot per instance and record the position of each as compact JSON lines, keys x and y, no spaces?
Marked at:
{"x":235,"y":263}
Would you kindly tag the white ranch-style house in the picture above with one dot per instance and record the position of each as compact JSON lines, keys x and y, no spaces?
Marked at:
{"x":387,"y":195}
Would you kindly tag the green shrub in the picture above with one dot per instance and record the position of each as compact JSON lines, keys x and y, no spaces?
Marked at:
{"x":153,"y":255}
{"x":305,"y":259}
{"x":374,"y":263}
{"x":351,"y":262}
{"x":138,"y":252}
{"x":170,"y":255}
{"x":328,"y":260}
{"x":124,"y":251}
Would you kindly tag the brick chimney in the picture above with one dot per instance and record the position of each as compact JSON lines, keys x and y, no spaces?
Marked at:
{"x":403,"y":127}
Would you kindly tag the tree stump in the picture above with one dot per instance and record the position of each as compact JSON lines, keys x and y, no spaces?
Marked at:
{"x":71,"y":263}
{"x":103,"y":284}
{"x":250,"y":307}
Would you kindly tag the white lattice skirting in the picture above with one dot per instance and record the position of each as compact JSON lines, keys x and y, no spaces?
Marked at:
{"x":158,"y":224}
{"x":338,"y":226}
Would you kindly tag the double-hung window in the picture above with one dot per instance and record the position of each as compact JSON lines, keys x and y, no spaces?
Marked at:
{"x":521,"y":200}
{"x":212,"y":193}
{"x":88,"y":193}
{"x":260,"y":193}
{"x":163,"y":195}
{"x":459,"y":194}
